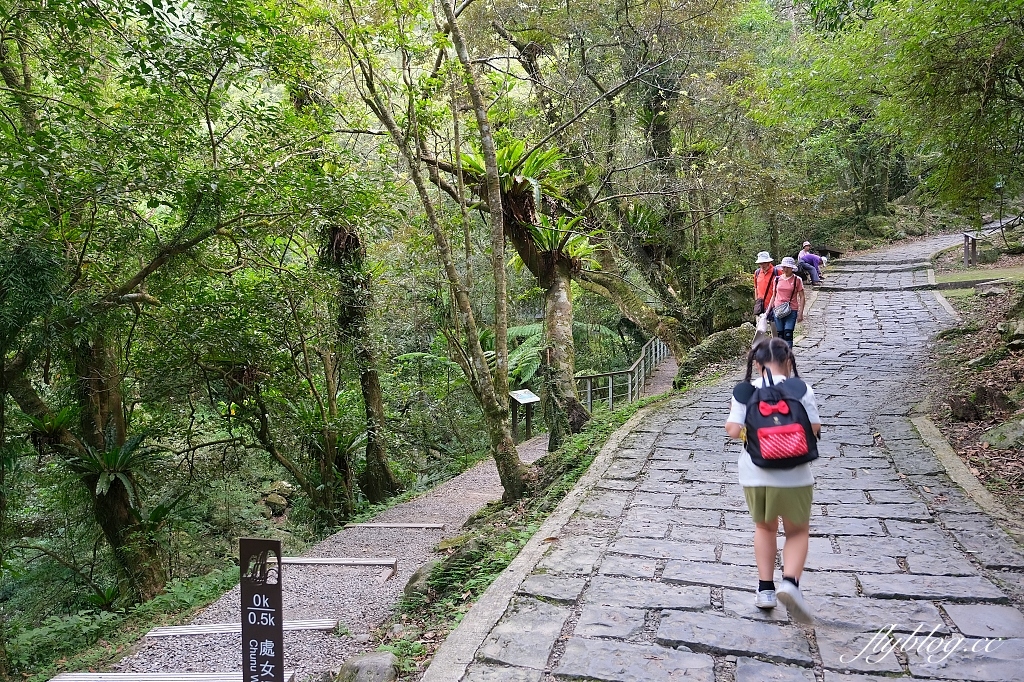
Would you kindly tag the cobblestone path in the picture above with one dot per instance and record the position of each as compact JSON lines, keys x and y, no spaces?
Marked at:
{"x":652,"y":577}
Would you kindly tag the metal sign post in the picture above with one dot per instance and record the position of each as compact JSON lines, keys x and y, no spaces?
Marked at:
{"x":262,"y":619}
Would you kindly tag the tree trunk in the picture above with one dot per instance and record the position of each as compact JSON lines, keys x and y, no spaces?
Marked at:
{"x":102,"y":424}
{"x":344,"y":252}
{"x":497,"y":215}
{"x":98,"y":390}
{"x":561,"y":399}
{"x":377,"y":482}
{"x":474,"y":362}
{"x":137,"y":552}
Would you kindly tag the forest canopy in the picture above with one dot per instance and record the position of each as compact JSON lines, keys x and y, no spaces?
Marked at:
{"x":260,"y":246}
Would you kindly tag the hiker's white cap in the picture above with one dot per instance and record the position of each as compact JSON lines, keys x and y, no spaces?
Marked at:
{"x":788,"y":262}
{"x":764,"y":257}
{"x":807,"y":243}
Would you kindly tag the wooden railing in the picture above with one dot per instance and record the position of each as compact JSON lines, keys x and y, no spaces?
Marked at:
{"x":625,"y":385}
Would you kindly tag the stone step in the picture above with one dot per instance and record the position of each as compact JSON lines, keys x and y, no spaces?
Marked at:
{"x":340,"y":561}
{"x":420,"y":526}
{"x":217,"y":628}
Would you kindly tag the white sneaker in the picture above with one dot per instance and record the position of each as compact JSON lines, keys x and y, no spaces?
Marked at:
{"x":789,"y":594}
{"x":765,"y":599}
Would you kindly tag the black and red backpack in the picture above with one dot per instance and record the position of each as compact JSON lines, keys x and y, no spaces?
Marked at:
{"x":778,"y":430}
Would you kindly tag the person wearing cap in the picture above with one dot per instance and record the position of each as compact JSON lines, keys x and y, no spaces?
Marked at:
{"x":788,"y":289}
{"x":764,"y":282}
{"x":811,"y":262}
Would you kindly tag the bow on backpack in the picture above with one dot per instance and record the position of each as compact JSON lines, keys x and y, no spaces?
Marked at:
{"x":778,"y":431}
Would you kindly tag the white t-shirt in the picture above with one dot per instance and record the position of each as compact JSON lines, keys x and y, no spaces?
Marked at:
{"x":752,"y":475}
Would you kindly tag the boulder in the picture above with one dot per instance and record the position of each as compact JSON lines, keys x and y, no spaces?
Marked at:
{"x":417,"y":585}
{"x":730,"y":304}
{"x":988,"y":291}
{"x":988,"y":253}
{"x":914,"y":230}
{"x":723,"y":345}
{"x":282,"y":488}
{"x":1007,"y":435}
{"x":1011,"y":330}
{"x":879,"y":225}
{"x":376,"y":666}
{"x":276,"y":503}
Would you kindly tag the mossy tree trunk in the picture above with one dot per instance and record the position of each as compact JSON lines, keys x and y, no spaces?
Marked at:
{"x":102,"y":427}
{"x":561,"y":396}
{"x":344,"y":252}
{"x":469,"y":354}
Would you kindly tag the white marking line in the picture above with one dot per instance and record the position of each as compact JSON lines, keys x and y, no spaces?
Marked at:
{"x":215,"y":628}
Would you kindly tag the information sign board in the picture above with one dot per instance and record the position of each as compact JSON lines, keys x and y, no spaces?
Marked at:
{"x":262,"y":621}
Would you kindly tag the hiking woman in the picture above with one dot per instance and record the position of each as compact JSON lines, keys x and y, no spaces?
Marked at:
{"x":764,"y":282}
{"x":787,"y":303}
{"x":776,"y":492}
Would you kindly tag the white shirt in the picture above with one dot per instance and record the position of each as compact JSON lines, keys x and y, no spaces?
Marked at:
{"x":752,"y":475}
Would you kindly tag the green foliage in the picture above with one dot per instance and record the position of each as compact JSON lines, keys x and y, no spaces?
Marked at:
{"x":122,"y":463}
{"x":522,"y":172}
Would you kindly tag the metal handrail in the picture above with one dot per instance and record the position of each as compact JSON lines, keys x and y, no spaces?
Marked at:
{"x":610,"y":388}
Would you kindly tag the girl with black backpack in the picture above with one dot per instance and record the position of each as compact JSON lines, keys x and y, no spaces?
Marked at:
{"x":777,"y":418}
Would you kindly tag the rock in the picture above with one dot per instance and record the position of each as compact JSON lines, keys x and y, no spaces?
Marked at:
{"x":282,"y":488}
{"x":376,"y":666}
{"x":361,"y":638}
{"x":988,"y":252}
{"x":1007,"y":435}
{"x":879,"y":225}
{"x":276,"y":503}
{"x":1015,"y":248}
{"x":987,"y":292}
{"x":723,"y":345}
{"x":1011,"y":330}
{"x":914,"y":230}
{"x":729,"y":305}
{"x":417,"y":585}
{"x":399,"y":631}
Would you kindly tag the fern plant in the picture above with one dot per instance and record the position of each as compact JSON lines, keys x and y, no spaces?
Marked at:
{"x":122,"y":463}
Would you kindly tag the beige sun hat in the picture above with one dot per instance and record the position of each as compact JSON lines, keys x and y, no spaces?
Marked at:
{"x":788,"y":262}
{"x":764,"y":257}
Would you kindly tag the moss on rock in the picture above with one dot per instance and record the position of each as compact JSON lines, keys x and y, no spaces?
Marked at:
{"x":723,"y":345}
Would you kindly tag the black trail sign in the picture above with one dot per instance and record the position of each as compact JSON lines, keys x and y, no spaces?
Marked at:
{"x":262,"y":634}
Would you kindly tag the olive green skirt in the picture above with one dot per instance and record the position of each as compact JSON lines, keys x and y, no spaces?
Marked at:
{"x":792,"y":504}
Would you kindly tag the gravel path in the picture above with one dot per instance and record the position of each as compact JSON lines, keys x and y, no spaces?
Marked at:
{"x":351,"y":595}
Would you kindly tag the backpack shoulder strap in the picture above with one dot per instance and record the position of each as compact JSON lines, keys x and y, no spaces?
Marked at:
{"x":743,"y":392}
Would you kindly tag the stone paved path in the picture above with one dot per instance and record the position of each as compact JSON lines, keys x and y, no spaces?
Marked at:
{"x":651,"y":578}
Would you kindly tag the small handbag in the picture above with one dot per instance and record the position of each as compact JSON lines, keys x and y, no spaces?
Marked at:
{"x":782,"y":310}
{"x":758,"y":307}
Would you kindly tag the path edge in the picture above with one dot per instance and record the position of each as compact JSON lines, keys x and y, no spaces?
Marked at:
{"x":459,"y":648}
{"x":962,"y":476}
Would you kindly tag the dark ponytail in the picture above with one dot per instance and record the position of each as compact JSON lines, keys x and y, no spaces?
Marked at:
{"x":770,"y":350}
